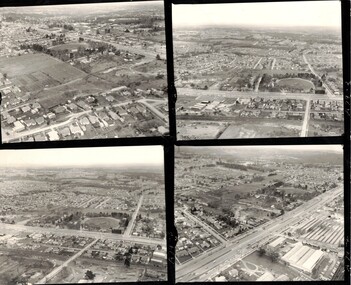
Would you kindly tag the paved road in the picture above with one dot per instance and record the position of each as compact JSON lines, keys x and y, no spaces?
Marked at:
{"x":13,"y":229}
{"x":258,"y":62}
{"x":258,"y":84}
{"x":183,"y":92}
{"x":102,"y":203}
{"x":154,"y":110}
{"x":273,"y":63}
{"x":129,"y":228}
{"x":205,"y":226}
{"x":330,"y":94}
{"x":72,"y":118}
{"x":198,"y":268}
{"x":57,"y":270}
{"x":306,"y":119}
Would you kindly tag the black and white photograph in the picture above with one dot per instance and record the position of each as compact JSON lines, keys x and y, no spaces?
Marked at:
{"x":86,"y":71}
{"x":258,"y":70}
{"x":259,"y":213}
{"x":90,"y":215}
{"x":174,"y":142}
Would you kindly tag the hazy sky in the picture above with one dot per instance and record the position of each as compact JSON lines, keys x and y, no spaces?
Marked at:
{"x":105,"y":156}
{"x":327,"y":148}
{"x":95,"y":8}
{"x":303,"y":13}
{"x":298,"y":148}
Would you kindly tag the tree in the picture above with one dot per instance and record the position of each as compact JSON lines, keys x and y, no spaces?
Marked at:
{"x":89,"y":275}
{"x":160,"y":76}
{"x":261,"y":251}
{"x":127,"y":262}
{"x":274,"y":256}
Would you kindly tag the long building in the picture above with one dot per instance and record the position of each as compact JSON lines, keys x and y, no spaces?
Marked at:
{"x":303,"y":257}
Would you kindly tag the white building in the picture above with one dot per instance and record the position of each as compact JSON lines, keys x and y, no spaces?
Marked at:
{"x":303,"y":257}
{"x":18,"y":127}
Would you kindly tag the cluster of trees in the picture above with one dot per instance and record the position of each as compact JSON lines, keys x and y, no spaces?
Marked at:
{"x":89,"y":275}
{"x":128,"y":257}
{"x":267,"y":80}
{"x":273,"y":255}
{"x":61,"y":25}
{"x":228,"y":218}
{"x":65,"y":54}
{"x":240,"y":166}
{"x":143,"y":22}
{"x":118,"y":215}
{"x":7,"y":221}
{"x":68,"y":27}
{"x":244,"y":83}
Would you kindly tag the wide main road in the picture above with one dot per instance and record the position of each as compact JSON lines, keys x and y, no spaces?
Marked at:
{"x":129,"y":228}
{"x":202,"y":268}
{"x":304,"y":130}
{"x":14,"y":229}
{"x":220,"y":95}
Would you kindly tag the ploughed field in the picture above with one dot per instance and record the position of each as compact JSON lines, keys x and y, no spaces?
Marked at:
{"x":36,"y":71}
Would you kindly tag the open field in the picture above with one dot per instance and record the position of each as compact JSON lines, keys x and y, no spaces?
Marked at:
{"x":259,"y":128}
{"x":295,"y":83}
{"x":104,"y":223}
{"x":18,"y":262}
{"x":196,"y":129}
{"x":323,"y":128}
{"x":106,"y":271}
{"x":31,"y":63}
{"x":267,"y":264}
{"x":70,"y":46}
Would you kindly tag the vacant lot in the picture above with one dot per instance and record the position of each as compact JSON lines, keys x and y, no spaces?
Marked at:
{"x":266,"y":263}
{"x":260,"y":128}
{"x":106,"y":271}
{"x":70,"y":46}
{"x":196,"y":129}
{"x":295,"y":83}
{"x":15,"y":263}
{"x":325,"y":128}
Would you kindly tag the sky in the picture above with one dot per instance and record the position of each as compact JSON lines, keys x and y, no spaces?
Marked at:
{"x":298,"y":148}
{"x":290,"y":14}
{"x":328,"y":148}
{"x":94,"y":8}
{"x":83,"y":157}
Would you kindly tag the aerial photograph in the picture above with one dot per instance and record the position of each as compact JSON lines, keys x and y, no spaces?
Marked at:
{"x":259,"y":213}
{"x":254,"y":70}
{"x":82,"y":216}
{"x":85,"y":71}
